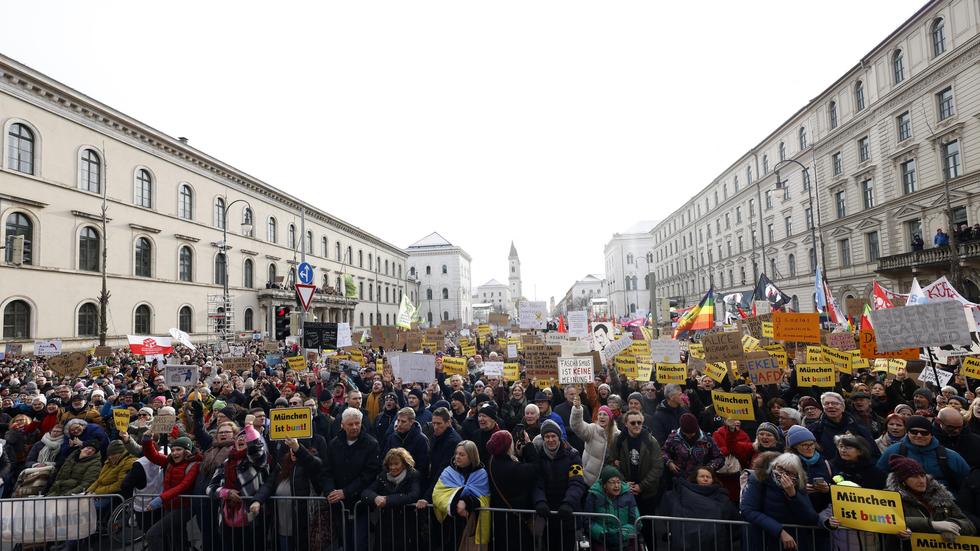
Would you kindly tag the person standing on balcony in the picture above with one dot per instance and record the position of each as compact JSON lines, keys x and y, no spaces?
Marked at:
{"x":917,"y":243}
{"x":941,"y":239}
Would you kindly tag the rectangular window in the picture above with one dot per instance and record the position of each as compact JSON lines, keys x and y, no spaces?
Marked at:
{"x":768,"y":199}
{"x":728,"y":221}
{"x":844,"y":248}
{"x":951,"y":159}
{"x":788,"y":222}
{"x":908,"y":176}
{"x":838,"y":160}
{"x":770,"y":233}
{"x":864,"y":149}
{"x":808,"y":215}
{"x":738,"y":215}
{"x":868,"y":193}
{"x":945,"y":99}
{"x":914,"y":232}
{"x":873,"y":251}
{"x":840,"y":202}
{"x":904,"y":124}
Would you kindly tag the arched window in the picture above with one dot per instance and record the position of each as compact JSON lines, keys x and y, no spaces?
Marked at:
{"x":360,"y":290}
{"x":445,"y":269}
{"x":144,"y":258}
{"x":411,"y":271}
{"x":88,"y":249}
{"x":291,"y":278}
{"x":445,"y":315}
{"x":90,"y":171}
{"x":272,"y":231}
{"x":898,"y":66}
{"x":249,"y":319}
{"x":428,"y":294}
{"x":802,"y":138}
{"x":17,"y":320}
{"x":748,"y":175}
{"x":185,"y":202}
{"x":370,"y":262}
{"x":248,"y":277}
{"x":428,"y":270}
{"x":445,"y":293}
{"x":387,"y":319}
{"x":772,"y":267}
{"x":782,"y":151}
{"x":387,"y":299}
{"x":370,"y":292}
{"x":291,"y":236}
{"x":792,"y":265}
{"x":386,"y":267}
{"x":429,"y":317}
{"x":141,"y":320}
{"x":324,"y":250}
{"x":185,"y":264}
{"x":632,"y":308}
{"x":247,"y":218}
{"x":185,"y":319}
{"x":859,"y":95}
{"x":88,"y":320}
{"x":19,"y":224}
{"x":219,"y":213}
{"x":143,"y":190}
{"x":812,"y":253}
{"x":832,"y":114}
{"x":362,"y":319}
{"x":309,"y":242}
{"x":336,"y":246}
{"x":20,"y":148}
{"x":350,"y":255}
{"x":938,"y":37}
{"x":220,"y":269}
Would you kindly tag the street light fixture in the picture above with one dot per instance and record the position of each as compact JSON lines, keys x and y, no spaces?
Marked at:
{"x":813,"y":206}
{"x":247,"y":226}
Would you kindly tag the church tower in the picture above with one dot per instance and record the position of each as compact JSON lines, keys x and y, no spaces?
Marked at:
{"x":514,"y":278}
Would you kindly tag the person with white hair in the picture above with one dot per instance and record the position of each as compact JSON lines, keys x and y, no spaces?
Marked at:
{"x":352,"y":463}
{"x":836,"y":421}
{"x":775,"y":495}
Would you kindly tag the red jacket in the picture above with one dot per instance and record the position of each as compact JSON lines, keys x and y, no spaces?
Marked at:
{"x":178,"y":478}
{"x":734,"y":443}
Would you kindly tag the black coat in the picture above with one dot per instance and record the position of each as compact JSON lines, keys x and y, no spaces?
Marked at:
{"x":440,"y":456}
{"x":825,"y":430}
{"x":397,"y":521}
{"x":969,"y":497}
{"x":690,"y":501}
{"x":306,"y":479}
{"x":966,"y":443}
{"x":352,"y":468}
{"x":560,"y":479}
{"x":665,"y":420}
{"x":511,"y":485}
{"x":864,"y":473}
{"x":415,"y":443}
{"x":383,"y":423}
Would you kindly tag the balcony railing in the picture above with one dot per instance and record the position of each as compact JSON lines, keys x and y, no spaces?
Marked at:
{"x":927,"y":257}
{"x":322,"y":296}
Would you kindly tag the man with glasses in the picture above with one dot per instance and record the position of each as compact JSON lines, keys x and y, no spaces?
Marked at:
{"x":945,"y":465}
{"x":949,"y":431}
{"x":637,"y":455}
{"x":834,"y":422}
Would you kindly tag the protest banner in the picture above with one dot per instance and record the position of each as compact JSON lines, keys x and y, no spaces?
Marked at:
{"x":270,"y":346}
{"x":841,"y":341}
{"x":666,"y":351}
{"x":236,"y":364}
{"x":573,"y":347}
{"x":929,"y":324}
{"x":763,"y":368}
{"x":163,"y":424}
{"x":796,"y":327}
{"x":716,"y":371}
{"x":869,"y":510}
{"x":15,"y":349}
{"x":483,"y":330}
{"x":880,"y":366}
{"x":468,"y":351}
{"x":615,"y":347}
{"x":778,"y":352}
{"x":576,"y":370}
{"x":236,"y":351}
{"x":578,"y":323}
{"x":821,"y":375}
{"x":971,"y":367}
{"x":512,"y":371}
{"x":696,"y":350}
{"x":671,"y":373}
{"x":120,"y":418}
{"x":928,"y":376}
{"x":148,"y":346}
{"x":733,"y":405}
{"x":500,"y":320}
{"x":102,"y":351}
{"x":533,"y":315}
{"x":767,"y":329}
{"x":932,"y":542}
{"x":814,"y":355}
{"x":344,"y":337}
{"x":296,"y":363}
{"x":49,"y":347}
{"x":290,"y":423}
{"x":868,"y":344}
{"x":512,"y":350}
{"x":722,"y":347}
{"x":749,"y":343}
{"x":413,"y":368}
{"x":181,"y":375}
{"x":626,"y":364}
{"x":454,"y":366}
{"x":644,"y":370}
{"x":841,"y":360}
{"x":493,"y":369}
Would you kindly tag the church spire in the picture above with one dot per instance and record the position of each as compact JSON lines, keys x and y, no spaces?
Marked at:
{"x":513,"y":251}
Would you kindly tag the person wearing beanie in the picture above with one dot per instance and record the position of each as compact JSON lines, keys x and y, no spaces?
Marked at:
{"x":635,"y":403}
{"x":667,"y":418}
{"x":922,"y":399}
{"x":561,"y":486}
{"x":486,"y":417}
{"x":895,"y":428}
{"x":384,"y":424}
{"x":543,"y":401}
{"x":928,"y":505}
{"x":597,"y":438}
{"x":768,"y":438}
{"x":819,"y":473}
{"x":836,"y":421}
{"x":180,"y":470}
{"x":863,"y":414}
{"x":610,"y":495}
{"x":416,"y":401}
{"x":920,"y":445}
{"x":564,"y":410}
{"x":688,"y":448}
{"x":244,"y":472}
{"x":810,"y":408}
{"x":117,"y":465}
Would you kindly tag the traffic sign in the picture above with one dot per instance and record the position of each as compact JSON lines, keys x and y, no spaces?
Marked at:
{"x":305,"y":273}
{"x":305,"y":293}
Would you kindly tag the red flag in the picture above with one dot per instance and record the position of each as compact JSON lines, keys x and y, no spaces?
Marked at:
{"x":561,"y":325}
{"x":881,"y":299}
{"x":742,"y":312}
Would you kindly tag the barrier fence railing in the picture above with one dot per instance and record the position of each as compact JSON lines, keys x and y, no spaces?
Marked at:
{"x":37,"y":521}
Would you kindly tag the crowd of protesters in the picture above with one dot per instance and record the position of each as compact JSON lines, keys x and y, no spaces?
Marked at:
{"x":437,"y":464}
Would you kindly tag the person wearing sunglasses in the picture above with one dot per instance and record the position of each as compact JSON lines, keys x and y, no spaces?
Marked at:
{"x":638,"y":456}
{"x":945,"y":465}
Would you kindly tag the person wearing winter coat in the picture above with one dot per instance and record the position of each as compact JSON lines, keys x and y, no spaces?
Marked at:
{"x":45,"y":451}
{"x":512,"y":470}
{"x":396,"y":487}
{"x":179,"y":473}
{"x":408,"y":435}
{"x":775,"y":495}
{"x":560,"y":485}
{"x":928,"y":505}
{"x":920,"y":445}
{"x":298,"y":471}
{"x":853,"y":466}
{"x":384,"y":423}
{"x":610,"y":495}
{"x":79,"y":471}
{"x":698,"y":496}
{"x":236,"y":484}
{"x":836,"y":421}
{"x":668,"y":415}
{"x":78,"y":431}
{"x":512,"y":411}
{"x":687,"y":448}
{"x":462,"y":488}
{"x":353,"y":464}
{"x":733,"y":441}
{"x":895,"y":427}
{"x":215,"y":450}
{"x":819,"y":474}
{"x":637,"y":455}
{"x":117,"y":465}
{"x":598,"y":438}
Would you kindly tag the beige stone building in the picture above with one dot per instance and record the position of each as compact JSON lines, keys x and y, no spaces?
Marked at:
{"x":877,"y":145}
{"x":167,"y":203}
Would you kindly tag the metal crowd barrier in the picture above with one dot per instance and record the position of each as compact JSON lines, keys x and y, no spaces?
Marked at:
{"x":74,"y":521}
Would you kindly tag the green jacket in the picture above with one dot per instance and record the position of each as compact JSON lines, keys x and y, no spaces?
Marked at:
{"x":623,"y":508}
{"x":76,"y":474}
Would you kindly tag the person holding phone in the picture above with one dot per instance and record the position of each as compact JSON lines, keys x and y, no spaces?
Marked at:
{"x":800,"y":441}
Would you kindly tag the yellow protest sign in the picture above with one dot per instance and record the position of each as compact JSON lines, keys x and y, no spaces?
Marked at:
{"x":290,"y":423}
{"x":931,"y":542}
{"x":644,"y":371}
{"x":767,"y":329}
{"x":733,"y":405}
{"x":840,"y":359}
{"x":454,"y":366}
{"x":120,"y":417}
{"x":671,"y":373}
{"x":483,"y":330}
{"x":696,"y":350}
{"x":971,"y":367}
{"x":779,"y":352}
{"x":814,"y":355}
{"x":894,"y":364}
{"x":749,"y":343}
{"x":463,"y":341}
{"x":98,"y":371}
{"x":821,"y":374}
{"x":468,"y":351}
{"x":716,"y":371}
{"x":857,"y":362}
{"x":512,"y":371}
{"x":881,"y":365}
{"x":296,"y":363}
{"x":869,"y":510}
{"x":626,"y":364}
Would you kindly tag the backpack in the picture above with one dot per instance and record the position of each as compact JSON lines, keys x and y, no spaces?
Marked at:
{"x":943,"y":459}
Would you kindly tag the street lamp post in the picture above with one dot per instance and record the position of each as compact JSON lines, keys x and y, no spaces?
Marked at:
{"x":246,"y":228}
{"x":813,"y":219}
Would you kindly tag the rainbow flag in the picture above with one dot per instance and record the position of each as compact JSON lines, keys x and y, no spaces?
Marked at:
{"x":700,"y":317}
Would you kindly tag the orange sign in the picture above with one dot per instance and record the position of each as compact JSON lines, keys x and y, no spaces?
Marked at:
{"x":796,"y":327}
{"x":869,"y":348}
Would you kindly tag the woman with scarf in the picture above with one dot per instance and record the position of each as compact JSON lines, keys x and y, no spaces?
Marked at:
{"x":597,"y":436}
{"x":687,"y":448}
{"x":45,"y":451}
{"x":929,"y":507}
{"x":236,"y":484}
{"x":853,"y":466}
{"x":512,"y":411}
{"x":397,"y":486}
{"x":774,"y":496}
{"x":895,"y":428}
{"x":215,"y":451}
{"x":732,"y":441}
{"x":819,"y":474}
{"x":768,"y":438}
{"x":462,"y":488}
{"x":20,"y":438}
{"x":298,"y":471}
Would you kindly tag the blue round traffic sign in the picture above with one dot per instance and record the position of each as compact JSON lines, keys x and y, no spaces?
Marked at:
{"x":305,"y":273}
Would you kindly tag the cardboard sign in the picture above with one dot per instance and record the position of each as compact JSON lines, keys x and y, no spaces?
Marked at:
{"x":455,"y":366}
{"x":933,"y":542}
{"x":500,"y":320}
{"x":928,"y":376}
{"x":778,"y":352}
{"x":541,"y":360}
{"x":120,"y":418}
{"x":163,"y":424}
{"x":671,"y":373}
{"x":512,"y":371}
{"x":971,"y":367}
{"x":50,"y":347}
{"x":868,"y":343}
{"x":237,"y":351}
{"x":763,"y":368}
{"x":493,"y":369}
{"x":102,"y":351}
{"x":723,"y":347}
{"x":181,"y":375}
{"x":576,"y":370}
{"x":236,"y":364}
{"x":297,"y":363}
{"x":716,"y":371}
{"x":14,"y":349}
{"x":869,"y":510}
{"x":733,"y":405}
{"x":696,"y":350}
{"x":533,"y":315}
{"x":270,"y":346}
{"x":841,"y":341}
{"x":821,"y":375}
{"x":665,"y":351}
{"x":796,"y":327}
{"x":290,"y":423}
{"x":483,"y":330}
{"x":929,"y":324}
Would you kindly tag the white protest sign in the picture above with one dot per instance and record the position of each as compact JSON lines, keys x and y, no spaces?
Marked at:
{"x":343,"y":335}
{"x":575,"y":370}
{"x":511,"y":350}
{"x":571,"y":348}
{"x":237,"y":351}
{"x":665,"y":351}
{"x":578,"y":323}
{"x":181,"y":375}
{"x":413,"y":368}
{"x":51,"y":347}
{"x":601,"y":335}
{"x":615,"y":347}
{"x":929,"y":324}
{"x":493,"y":369}
{"x":762,"y":307}
{"x":556,"y":338}
{"x":533,"y":315}
{"x":927,"y":376}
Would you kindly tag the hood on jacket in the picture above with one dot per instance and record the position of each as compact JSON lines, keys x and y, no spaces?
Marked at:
{"x":597,"y":490}
{"x":760,"y":466}
{"x":936,"y":494}
{"x":683,"y":485}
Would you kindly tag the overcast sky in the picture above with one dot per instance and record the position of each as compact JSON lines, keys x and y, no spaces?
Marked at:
{"x":550,"y":123}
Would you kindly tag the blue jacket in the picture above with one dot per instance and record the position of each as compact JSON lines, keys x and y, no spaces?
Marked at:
{"x":926,"y":456}
{"x":90,"y":431}
{"x":765,"y":506}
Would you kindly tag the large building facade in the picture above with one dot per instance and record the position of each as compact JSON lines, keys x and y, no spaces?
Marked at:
{"x":167,"y":204}
{"x":581,"y":294}
{"x":629,"y":259}
{"x":878,"y":147}
{"x":441,"y":273}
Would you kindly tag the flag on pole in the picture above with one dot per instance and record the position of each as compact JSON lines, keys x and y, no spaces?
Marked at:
{"x":406,"y":311}
{"x":880,"y":297}
{"x":916,"y":296}
{"x":866,"y":317}
{"x":700,"y":317}
{"x":818,"y":292}
{"x":765,"y":289}
{"x":833,"y":310}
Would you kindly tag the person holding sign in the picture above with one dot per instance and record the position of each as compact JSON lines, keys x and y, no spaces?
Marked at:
{"x":597,"y":436}
{"x":929,"y":507}
{"x":236,"y":484}
{"x":180,"y":471}
{"x":776,"y":495}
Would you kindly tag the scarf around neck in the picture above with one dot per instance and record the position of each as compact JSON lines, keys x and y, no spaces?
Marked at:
{"x":813,"y":460}
{"x":396,"y":480}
